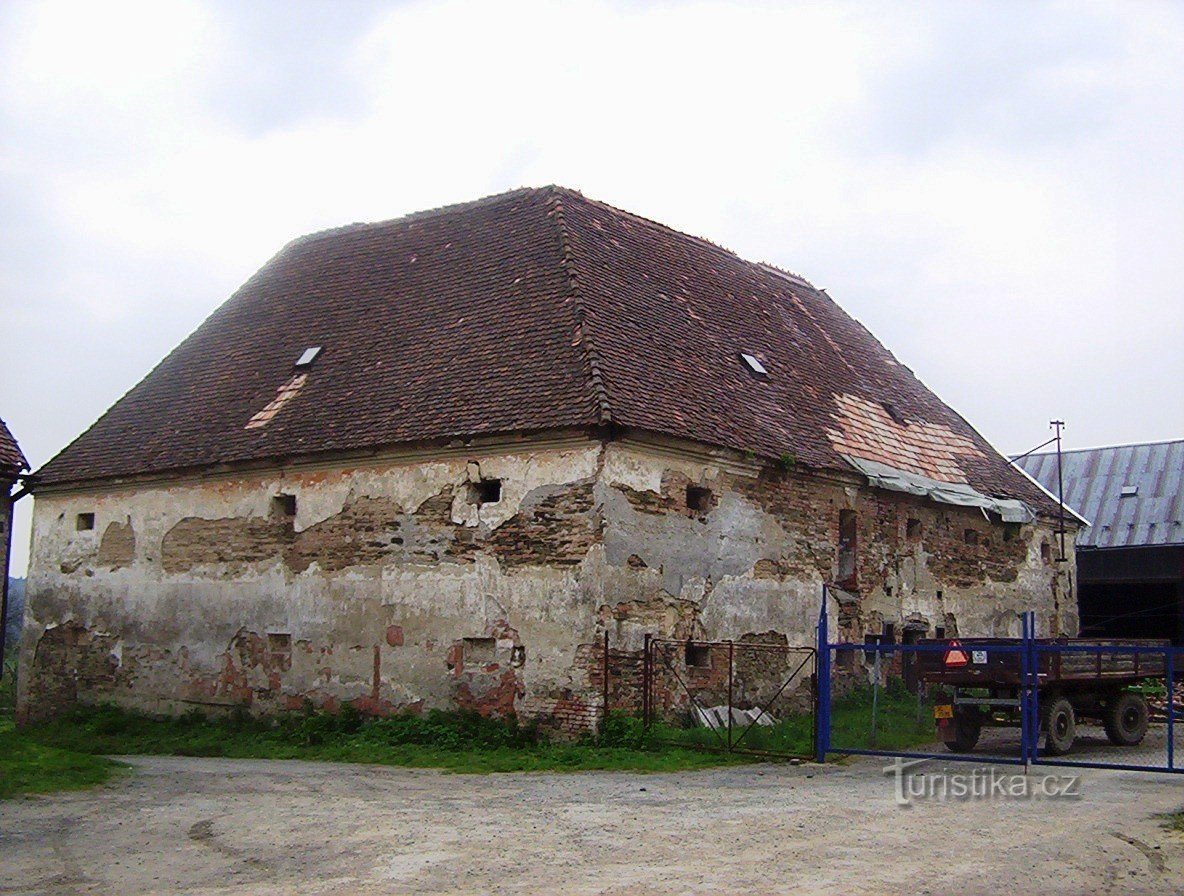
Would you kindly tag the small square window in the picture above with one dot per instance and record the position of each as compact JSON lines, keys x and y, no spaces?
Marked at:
{"x":309,"y":355}
{"x":84,"y":522}
{"x":970,"y":536}
{"x":283,"y":505}
{"x":754,"y":365}
{"x":487,"y":491}
{"x":698,"y":499}
{"x":698,"y":655}
{"x":913,"y":529}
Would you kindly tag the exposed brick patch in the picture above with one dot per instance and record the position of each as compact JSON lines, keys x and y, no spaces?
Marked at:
{"x":555,"y":526}
{"x":118,"y":546}
{"x":71,"y":662}
{"x":394,"y":635}
{"x":232,"y":542}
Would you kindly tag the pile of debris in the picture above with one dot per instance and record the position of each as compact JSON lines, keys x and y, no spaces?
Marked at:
{"x":1159,"y":704}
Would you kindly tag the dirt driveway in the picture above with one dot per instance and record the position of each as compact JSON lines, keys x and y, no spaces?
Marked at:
{"x":221,"y":826}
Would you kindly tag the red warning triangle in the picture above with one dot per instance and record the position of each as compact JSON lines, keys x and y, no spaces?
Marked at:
{"x":956,"y":656}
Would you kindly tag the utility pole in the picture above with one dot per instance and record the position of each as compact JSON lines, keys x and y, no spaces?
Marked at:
{"x":1057,"y":425}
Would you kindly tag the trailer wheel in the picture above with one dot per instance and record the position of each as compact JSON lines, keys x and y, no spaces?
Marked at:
{"x":1126,"y":719}
{"x":968,"y":725}
{"x":1060,"y":726}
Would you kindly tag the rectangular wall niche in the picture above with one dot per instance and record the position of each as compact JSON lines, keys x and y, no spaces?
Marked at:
{"x":480,"y":650}
{"x":847,"y":549}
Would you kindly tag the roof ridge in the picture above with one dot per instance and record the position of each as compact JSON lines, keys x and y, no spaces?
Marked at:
{"x":410,"y":217}
{"x":767,"y":267}
{"x":569,"y":266}
{"x":1107,"y":447}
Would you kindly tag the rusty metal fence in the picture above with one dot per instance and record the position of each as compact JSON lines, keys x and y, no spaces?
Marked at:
{"x":742,"y":696}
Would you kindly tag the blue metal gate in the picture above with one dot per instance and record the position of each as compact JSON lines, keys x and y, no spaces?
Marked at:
{"x":1145,"y":670}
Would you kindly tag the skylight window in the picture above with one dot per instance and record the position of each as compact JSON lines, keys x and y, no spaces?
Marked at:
{"x":1129,"y":491}
{"x":310,"y":355}
{"x":753,"y":363}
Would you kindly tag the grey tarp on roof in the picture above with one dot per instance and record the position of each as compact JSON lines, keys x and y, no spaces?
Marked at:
{"x":1095,"y":478}
{"x":883,"y":476}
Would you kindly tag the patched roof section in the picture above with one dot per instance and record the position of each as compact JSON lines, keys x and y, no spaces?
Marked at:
{"x":1133,"y":495}
{"x":12,"y":461}
{"x":532,"y":310}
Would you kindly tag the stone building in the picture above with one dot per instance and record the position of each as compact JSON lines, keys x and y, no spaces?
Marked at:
{"x":12,"y":465}
{"x":431,"y":461}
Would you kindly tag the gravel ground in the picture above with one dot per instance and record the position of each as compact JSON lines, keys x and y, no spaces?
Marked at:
{"x":253,"y":826}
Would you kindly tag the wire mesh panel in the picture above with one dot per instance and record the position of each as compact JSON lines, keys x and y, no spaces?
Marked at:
{"x":930,"y":698}
{"x":741,"y":696}
{"x":1110,"y":703}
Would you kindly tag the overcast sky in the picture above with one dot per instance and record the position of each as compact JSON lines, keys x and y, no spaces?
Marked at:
{"x":995,"y":189}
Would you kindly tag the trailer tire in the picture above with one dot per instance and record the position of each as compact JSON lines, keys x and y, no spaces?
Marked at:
{"x":1060,"y":726}
{"x":1126,"y":719}
{"x":968,"y":725}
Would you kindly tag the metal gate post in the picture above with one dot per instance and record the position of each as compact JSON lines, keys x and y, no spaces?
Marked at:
{"x":604,"y":710}
{"x":822,"y":689}
{"x":1171,"y":664}
{"x":730,"y":690}
{"x":1029,"y":674}
{"x":646,"y":684}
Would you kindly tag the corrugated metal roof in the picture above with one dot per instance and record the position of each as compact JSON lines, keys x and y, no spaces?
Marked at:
{"x":1095,"y":479}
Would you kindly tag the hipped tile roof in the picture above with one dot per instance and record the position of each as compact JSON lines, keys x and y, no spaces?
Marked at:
{"x":533,"y":310}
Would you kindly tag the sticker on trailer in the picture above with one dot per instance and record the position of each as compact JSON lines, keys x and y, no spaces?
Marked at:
{"x":978,"y":657}
{"x":943,"y":711}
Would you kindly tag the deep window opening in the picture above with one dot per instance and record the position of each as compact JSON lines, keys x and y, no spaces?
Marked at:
{"x":84,"y":522}
{"x":847,"y":549}
{"x":913,"y":529}
{"x":487,"y":491}
{"x":283,"y":505}
{"x":697,"y":655}
{"x":970,"y":536}
{"x":698,"y":498}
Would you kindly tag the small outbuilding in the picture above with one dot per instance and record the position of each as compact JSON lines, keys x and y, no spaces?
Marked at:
{"x":1130,"y":560}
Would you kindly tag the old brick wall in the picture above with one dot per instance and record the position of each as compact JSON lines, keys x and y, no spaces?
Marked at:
{"x":717,"y":550}
{"x":391,"y":586}
{"x":396,"y":586}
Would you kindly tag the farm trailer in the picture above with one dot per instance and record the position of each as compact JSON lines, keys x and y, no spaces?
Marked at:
{"x":980,"y":684}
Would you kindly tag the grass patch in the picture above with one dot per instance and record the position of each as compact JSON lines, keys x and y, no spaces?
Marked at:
{"x":901,"y":722}
{"x":63,"y":753}
{"x":27,"y":766}
{"x":1173,"y":821}
{"x":458,"y":742}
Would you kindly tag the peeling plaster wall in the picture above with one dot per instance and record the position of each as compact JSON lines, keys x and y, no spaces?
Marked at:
{"x":757,"y":558}
{"x":206,"y":593}
{"x":392,"y":589}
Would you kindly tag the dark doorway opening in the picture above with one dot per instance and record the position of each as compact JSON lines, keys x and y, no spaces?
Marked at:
{"x":1131,"y":610}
